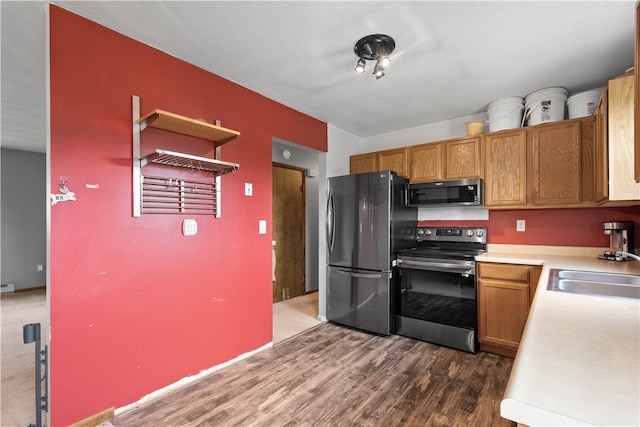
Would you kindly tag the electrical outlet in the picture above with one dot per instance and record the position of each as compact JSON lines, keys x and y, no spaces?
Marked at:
{"x":520,"y":225}
{"x":40,"y":267}
{"x":189,"y":227}
{"x":248,"y":189}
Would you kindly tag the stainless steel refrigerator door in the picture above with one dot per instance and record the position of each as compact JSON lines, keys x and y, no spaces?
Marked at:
{"x":359,"y":221}
{"x":360,"y":299}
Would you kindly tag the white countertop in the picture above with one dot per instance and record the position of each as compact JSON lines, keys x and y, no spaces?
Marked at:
{"x":579,"y":359}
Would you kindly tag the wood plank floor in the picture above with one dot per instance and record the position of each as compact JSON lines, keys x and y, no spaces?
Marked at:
{"x":334,"y":376}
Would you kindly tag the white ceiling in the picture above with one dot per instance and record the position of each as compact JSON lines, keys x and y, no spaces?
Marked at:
{"x":452,"y":58}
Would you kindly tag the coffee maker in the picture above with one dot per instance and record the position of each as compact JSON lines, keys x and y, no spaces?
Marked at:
{"x":620,"y":239}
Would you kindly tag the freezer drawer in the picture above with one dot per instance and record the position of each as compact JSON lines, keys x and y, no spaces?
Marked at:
{"x":360,"y":299}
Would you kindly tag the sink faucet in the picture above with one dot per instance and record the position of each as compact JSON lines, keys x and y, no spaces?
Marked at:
{"x":620,"y":255}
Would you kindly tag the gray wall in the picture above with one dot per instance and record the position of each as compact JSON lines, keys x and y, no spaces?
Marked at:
{"x":23,"y":212}
{"x":306,"y":158}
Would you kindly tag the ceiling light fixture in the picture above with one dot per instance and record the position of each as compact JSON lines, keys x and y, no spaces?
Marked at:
{"x":376,"y":47}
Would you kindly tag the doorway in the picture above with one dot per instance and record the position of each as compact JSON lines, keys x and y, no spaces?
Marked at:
{"x":288,"y":230}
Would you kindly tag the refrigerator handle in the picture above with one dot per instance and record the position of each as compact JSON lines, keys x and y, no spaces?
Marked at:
{"x":330,"y":222}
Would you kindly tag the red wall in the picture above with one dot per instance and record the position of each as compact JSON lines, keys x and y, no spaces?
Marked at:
{"x":552,"y":227}
{"x":136,"y":306}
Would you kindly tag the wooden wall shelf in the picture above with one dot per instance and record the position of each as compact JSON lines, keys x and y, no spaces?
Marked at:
{"x":161,"y":119}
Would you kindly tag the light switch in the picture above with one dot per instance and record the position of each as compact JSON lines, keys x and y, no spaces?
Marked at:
{"x":248,"y":189}
{"x":262,"y":226}
{"x":189,"y":227}
{"x":520,"y":225}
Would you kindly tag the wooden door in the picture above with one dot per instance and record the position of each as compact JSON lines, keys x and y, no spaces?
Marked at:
{"x":556,"y":163}
{"x":288,"y":231}
{"x":602,"y":147}
{"x":505,"y":169}
{"x":462,"y":158}
{"x":361,"y":163}
{"x":636,"y":105}
{"x":503,"y":308}
{"x":396,"y":159}
{"x":426,"y":162}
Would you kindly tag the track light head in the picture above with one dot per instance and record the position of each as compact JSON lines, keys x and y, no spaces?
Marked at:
{"x":384,"y":60}
{"x":360,"y":65}
{"x":378,"y":70}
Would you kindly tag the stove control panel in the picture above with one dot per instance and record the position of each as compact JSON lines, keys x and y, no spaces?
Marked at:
{"x":452,"y":234}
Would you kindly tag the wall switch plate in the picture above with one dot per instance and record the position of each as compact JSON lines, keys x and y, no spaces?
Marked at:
{"x":189,"y":227}
{"x":40,"y":267}
{"x":520,"y":225}
{"x":262,"y":226}
{"x":248,"y":189}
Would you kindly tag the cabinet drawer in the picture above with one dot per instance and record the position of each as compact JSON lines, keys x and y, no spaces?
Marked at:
{"x":511,"y":272}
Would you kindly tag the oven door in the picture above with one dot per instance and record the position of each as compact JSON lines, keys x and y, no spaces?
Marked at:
{"x":435,"y":301}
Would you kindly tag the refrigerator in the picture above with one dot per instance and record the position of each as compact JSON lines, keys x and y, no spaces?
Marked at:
{"x":367,"y":224}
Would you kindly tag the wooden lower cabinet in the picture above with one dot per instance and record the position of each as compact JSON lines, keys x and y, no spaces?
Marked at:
{"x":505,"y":294}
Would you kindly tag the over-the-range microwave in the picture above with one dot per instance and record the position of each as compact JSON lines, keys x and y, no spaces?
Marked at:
{"x":461,"y":192}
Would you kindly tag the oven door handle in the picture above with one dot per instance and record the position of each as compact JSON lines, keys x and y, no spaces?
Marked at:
{"x":437,"y":266}
{"x":351,"y":273}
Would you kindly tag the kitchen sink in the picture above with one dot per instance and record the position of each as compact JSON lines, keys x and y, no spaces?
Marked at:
{"x":610,"y":285}
{"x":593,"y":276}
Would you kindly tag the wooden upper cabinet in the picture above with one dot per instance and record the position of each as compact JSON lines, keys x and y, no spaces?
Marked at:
{"x":463,"y":158}
{"x":505,"y":168}
{"x":588,"y":153}
{"x":622,"y":183}
{"x":426,"y":162}
{"x":636,"y":74}
{"x":396,"y":159}
{"x":459,"y":158}
{"x":556,"y":163}
{"x":361,"y":163}
{"x":602,"y":148}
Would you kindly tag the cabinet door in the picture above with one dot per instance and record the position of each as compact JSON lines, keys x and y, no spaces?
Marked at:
{"x":622,"y":183}
{"x":602,"y":147}
{"x":502,"y":312}
{"x":426,"y":162}
{"x":505,"y":169}
{"x":462,"y":158}
{"x":636,"y":74}
{"x":395,"y":159}
{"x":362,"y":163}
{"x":588,"y":153}
{"x":556,"y":163}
